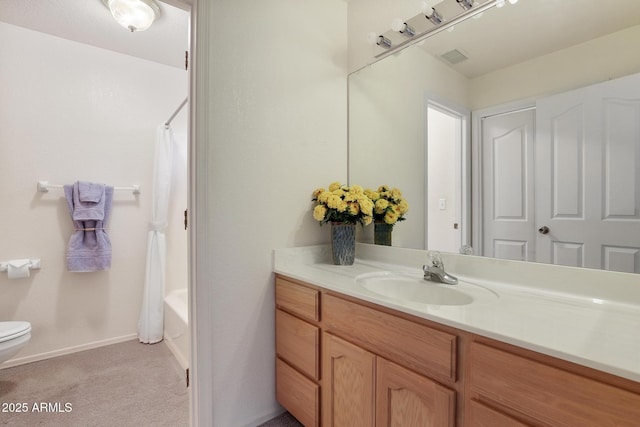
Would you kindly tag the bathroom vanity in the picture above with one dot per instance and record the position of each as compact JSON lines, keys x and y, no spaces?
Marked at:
{"x":347,"y":355}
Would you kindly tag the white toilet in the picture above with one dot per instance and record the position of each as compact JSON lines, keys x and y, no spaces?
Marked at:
{"x":13,"y":336}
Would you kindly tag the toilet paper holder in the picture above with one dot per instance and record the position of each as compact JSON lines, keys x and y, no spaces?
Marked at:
{"x":34,"y":264}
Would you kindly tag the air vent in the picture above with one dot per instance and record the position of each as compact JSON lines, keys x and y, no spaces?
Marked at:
{"x":454,"y":57}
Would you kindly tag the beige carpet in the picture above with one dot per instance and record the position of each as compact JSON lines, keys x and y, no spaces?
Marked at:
{"x":126,"y":384}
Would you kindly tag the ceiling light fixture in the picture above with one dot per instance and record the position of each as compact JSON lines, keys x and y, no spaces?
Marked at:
{"x":134,"y":15}
{"x":466,"y":4}
{"x":380,"y":40}
{"x":403,"y":28}
{"x":432,"y":14}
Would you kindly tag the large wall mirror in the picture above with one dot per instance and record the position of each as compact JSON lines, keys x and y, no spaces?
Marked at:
{"x":516,"y":132}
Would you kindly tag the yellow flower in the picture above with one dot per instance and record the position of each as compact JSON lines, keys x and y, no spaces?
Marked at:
{"x":319,"y":212}
{"x":381,"y":205}
{"x":366,"y":205}
{"x":334,"y":186}
{"x":403,"y":207}
{"x":317,"y":192}
{"x":333,"y":201}
{"x":373,"y":195}
{"x":341,"y":203}
{"x":354,"y":208}
{"x":356,"y":189}
{"x":324,"y":197}
{"x":390,"y":217}
{"x":396,"y":194}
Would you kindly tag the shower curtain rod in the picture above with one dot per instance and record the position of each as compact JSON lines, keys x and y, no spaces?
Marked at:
{"x":175,"y":113}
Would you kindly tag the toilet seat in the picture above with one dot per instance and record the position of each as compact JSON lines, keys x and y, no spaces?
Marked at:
{"x":14,"y":329}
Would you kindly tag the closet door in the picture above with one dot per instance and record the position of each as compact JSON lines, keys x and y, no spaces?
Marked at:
{"x":587,"y":176}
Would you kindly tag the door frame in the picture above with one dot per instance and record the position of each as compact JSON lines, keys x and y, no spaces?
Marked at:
{"x":463,"y":150}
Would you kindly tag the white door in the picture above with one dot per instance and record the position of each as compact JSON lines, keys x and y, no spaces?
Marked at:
{"x":587,"y":176}
{"x":507,"y":147}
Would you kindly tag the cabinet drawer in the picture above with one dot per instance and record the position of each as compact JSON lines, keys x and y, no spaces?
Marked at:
{"x":549,"y":394}
{"x":298,"y":299}
{"x":299,"y":395}
{"x":418,"y":347}
{"x":298,"y":342}
{"x":479,"y":415}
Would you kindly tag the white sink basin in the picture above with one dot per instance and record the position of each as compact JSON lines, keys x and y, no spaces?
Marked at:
{"x":413,"y":289}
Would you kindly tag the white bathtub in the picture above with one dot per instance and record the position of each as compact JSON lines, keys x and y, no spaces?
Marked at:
{"x":176,"y":325}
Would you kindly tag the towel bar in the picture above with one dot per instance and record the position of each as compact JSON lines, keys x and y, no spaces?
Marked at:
{"x":44,"y":186}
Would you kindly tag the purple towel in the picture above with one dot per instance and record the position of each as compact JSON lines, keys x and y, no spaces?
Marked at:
{"x":88,"y":201}
{"x":89,"y":246}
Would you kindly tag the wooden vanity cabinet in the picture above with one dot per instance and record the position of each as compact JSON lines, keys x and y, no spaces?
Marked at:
{"x":372,"y":368}
{"x":346,"y":362}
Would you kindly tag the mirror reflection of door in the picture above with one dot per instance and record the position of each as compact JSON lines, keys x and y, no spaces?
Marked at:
{"x":589,"y":195}
{"x":507,"y":185}
{"x":587,"y":184}
{"x":446,"y":135}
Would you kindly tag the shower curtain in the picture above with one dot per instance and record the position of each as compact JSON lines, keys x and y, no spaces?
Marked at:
{"x":151,"y":322}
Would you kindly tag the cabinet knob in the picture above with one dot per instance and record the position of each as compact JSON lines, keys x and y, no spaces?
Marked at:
{"x":543,"y":230}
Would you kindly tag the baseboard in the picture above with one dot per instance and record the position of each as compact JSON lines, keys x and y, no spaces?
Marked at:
{"x":184,"y":363}
{"x":61,"y":352}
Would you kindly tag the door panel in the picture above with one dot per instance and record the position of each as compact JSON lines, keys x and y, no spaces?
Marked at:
{"x":587,"y":177}
{"x":507,"y":185}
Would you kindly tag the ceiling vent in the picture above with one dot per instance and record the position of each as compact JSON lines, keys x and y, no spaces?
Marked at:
{"x":454,"y":57}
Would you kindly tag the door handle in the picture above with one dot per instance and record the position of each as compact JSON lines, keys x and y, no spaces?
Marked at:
{"x":543,"y":230}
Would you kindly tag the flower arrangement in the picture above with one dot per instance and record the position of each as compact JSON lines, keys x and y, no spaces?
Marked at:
{"x":341,"y":203}
{"x":389,"y":205}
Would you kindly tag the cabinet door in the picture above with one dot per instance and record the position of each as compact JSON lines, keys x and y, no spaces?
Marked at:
{"x":348,"y":384}
{"x":406,"y":399}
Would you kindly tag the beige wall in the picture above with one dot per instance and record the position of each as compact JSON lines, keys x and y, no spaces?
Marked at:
{"x":68,"y":112}
{"x":273,"y":95}
{"x":601,"y":59}
{"x":387,"y":129}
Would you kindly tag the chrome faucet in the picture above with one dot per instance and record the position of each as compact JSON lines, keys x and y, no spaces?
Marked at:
{"x":435,"y":272}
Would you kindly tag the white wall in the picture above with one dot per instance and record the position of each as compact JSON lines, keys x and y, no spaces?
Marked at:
{"x":68,"y":112}
{"x":272,"y":115}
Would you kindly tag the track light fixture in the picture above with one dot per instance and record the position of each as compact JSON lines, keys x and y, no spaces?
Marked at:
{"x":415,"y":29}
{"x":403,"y":28}
{"x":465,"y":4}
{"x":434,"y":17}
{"x":380,"y":40}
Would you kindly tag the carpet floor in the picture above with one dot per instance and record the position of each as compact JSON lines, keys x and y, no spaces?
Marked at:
{"x":125,"y":384}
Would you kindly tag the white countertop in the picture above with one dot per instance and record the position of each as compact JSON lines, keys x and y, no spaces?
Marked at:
{"x":589,"y":317}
